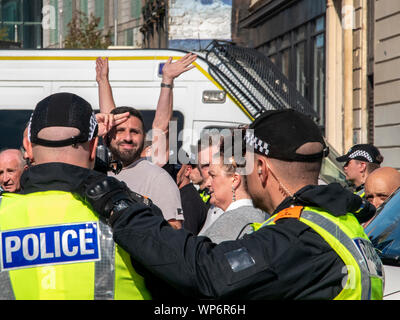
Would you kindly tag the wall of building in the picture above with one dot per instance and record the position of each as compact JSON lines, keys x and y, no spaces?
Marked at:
{"x":387,"y":80}
{"x":129,"y":20}
{"x":192,"y":24}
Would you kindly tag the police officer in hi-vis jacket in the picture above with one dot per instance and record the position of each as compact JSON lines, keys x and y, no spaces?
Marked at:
{"x":53,"y":245}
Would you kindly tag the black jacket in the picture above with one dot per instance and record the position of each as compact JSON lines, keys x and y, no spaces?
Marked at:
{"x":54,"y":176}
{"x":285,"y":261}
{"x":194,"y":209}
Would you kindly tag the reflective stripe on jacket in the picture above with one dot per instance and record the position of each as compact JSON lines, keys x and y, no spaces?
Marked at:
{"x":360,"y":193}
{"x":346,"y":236}
{"x":53,"y":246}
{"x":205,"y":196}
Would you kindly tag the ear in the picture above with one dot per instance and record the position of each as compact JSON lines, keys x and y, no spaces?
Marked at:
{"x":188,"y":171}
{"x":363,"y":167}
{"x":28,"y":148}
{"x":262,"y":170}
{"x":236,"y":180}
{"x":93,"y":147}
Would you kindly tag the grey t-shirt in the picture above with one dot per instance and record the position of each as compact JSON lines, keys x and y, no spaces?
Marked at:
{"x":234,"y":224}
{"x":150,"y":180}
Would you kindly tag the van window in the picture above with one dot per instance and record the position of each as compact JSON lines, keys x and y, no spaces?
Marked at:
{"x":13,"y":123}
{"x":12,"y":126}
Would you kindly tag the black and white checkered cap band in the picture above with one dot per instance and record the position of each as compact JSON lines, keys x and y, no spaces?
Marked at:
{"x":361,"y":153}
{"x":92,"y":126}
{"x":258,"y":144}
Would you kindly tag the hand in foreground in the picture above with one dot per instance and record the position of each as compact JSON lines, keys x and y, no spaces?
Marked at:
{"x":172,"y":70}
{"x":107,"y":120}
{"x":108,"y":196}
{"x":101,"y":69}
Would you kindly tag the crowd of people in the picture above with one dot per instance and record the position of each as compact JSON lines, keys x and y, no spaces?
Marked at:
{"x":202,"y":229}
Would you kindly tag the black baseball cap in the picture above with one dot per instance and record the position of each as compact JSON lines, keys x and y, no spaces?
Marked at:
{"x":279,"y":133}
{"x":363,"y":152}
{"x":63,"y":110}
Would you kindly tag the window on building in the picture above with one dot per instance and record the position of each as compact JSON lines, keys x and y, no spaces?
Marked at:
{"x":99,"y":12}
{"x":129,"y":37}
{"x":136,"y":9}
{"x":53,"y":37}
{"x":66,"y":16}
{"x":22,"y":21}
{"x":83,"y":6}
{"x":318,"y":97}
{"x":300,"y":54}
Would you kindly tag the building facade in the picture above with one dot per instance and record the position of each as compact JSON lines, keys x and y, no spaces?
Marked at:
{"x":186,"y":24}
{"x":122,"y":18}
{"x":180,"y":24}
{"x":343,"y":56}
{"x":20,"y":23}
{"x":386,"y":80}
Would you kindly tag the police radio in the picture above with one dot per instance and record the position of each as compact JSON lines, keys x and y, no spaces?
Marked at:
{"x":104,"y":162}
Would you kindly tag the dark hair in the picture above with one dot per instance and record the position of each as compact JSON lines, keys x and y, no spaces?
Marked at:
{"x":372,"y":166}
{"x":132,"y":111}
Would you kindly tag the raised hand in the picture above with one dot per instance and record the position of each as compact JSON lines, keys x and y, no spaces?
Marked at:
{"x":172,"y":70}
{"x":101,"y":69}
{"x":107,"y":120}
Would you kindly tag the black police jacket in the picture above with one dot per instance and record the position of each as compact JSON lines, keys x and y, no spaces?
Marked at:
{"x":285,"y":261}
{"x":54,"y":176}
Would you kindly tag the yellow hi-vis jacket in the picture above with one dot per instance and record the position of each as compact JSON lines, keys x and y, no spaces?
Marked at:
{"x":53,"y":246}
{"x":364,"y":269}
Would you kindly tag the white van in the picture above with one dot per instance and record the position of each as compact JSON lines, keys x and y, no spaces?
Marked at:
{"x":27,"y":76}
{"x":200,"y":101}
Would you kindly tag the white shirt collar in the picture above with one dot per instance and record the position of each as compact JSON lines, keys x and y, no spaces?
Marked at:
{"x":239,"y":203}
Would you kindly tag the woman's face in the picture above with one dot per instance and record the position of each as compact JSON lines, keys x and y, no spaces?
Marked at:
{"x":220,"y":185}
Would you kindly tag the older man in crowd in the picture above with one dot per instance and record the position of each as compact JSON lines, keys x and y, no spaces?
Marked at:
{"x":380,"y":184}
{"x":12,"y":165}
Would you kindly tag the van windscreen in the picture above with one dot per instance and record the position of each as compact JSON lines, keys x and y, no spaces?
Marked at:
{"x":12,"y":126}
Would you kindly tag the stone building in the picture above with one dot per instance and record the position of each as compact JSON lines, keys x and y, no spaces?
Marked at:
{"x":182,"y":24}
{"x":21,"y":24}
{"x":186,"y":24}
{"x":343,"y":56}
{"x":123,"y":18}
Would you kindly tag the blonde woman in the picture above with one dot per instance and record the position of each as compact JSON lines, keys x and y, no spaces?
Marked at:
{"x":229,"y":192}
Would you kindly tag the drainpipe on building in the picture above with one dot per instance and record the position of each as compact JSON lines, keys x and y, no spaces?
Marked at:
{"x":347,"y":24}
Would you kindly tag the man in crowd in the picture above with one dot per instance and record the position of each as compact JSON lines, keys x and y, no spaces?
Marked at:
{"x":12,"y":165}
{"x":309,"y":249}
{"x":194,"y":209}
{"x":379,"y":186}
{"x":126,"y":141}
{"x":360,"y":161}
{"x":206,"y":148}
